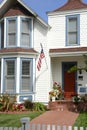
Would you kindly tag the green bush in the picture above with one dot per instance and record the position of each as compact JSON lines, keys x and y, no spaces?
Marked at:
{"x":28,"y":104}
{"x":39,"y":106}
{"x":84,"y":98}
{"x":6,"y":101}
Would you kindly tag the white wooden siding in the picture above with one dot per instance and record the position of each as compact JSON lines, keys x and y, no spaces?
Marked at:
{"x":42,"y":86}
{"x":57,"y":34}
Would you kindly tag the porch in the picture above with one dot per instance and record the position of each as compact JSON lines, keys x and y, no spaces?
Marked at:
{"x":70,"y":105}
{"x":72,"y":83}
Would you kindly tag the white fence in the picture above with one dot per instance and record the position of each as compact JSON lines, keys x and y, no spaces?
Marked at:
{"x":26,"y":125}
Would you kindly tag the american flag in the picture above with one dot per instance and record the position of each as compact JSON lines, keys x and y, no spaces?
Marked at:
{"x":40,"y":59}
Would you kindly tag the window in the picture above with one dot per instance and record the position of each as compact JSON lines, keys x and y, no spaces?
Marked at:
{"x":16,"y":32}
{"x":25,"y":32}
{"x":11,"y":32}
{"x":2,"y":34}
{"x":72,"y":33}
{"x":26,"y":77}
{"x":9,"y":76}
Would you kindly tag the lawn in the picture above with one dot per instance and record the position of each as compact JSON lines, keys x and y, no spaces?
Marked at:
{"x":81,"y":120}
{"x":14,"y":119}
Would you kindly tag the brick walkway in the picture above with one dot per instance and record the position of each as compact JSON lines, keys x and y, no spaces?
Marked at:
{"x":56,"y":117}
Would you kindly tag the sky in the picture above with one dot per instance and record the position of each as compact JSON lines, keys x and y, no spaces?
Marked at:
{"x":41,"y":7}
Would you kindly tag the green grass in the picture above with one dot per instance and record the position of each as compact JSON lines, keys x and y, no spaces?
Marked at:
{"x":81,"y":120}
{"x":13,"y":120}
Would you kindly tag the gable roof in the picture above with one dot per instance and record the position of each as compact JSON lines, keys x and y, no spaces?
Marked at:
{"x":72,"y":5}
{"x":6,"y":4}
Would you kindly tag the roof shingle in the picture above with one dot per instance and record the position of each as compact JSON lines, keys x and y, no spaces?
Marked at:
{"x":72,"y":5}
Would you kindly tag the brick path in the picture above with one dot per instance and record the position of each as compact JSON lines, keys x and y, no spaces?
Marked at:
{"x":56,"y":117}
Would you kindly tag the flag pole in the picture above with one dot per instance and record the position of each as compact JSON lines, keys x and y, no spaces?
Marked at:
{"x":44,"y":57}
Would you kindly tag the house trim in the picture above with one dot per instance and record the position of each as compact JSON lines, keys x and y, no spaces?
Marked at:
{"x":67,"y":51}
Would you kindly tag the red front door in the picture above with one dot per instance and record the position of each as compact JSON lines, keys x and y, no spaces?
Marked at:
{"x":69,"y":80}
{"x":69,"y":84}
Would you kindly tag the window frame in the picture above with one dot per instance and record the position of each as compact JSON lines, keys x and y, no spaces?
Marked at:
{"x":16,"y":34}
{"x":5,"y":75}
{"x":30,"y":32}
{"x":31,"y":75}
{"x":78,"y":30}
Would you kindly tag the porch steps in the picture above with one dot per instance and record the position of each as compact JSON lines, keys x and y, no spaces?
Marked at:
{"x":59,"y":105}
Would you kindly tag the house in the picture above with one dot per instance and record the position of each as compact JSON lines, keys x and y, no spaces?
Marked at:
{"x":67,"y":42}
{"x":23,"y":34}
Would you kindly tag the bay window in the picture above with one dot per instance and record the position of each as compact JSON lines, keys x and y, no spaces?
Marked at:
{"x":16,"y":32}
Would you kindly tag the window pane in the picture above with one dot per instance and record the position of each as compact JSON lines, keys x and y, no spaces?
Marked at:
{"x":11,"y":31}
{"x":10,"y":67}
{"x":73,"y":25}
{"x":25,"y":33}
{"x":25,"y":84}
{"x":25,"y":75}
{"x":26,"y":68}
{"x":9,"y":81}
{"x":11,"y":39}
{"x":11,"y":26}
{"x":25,"y":26}
{"x":72,"y":38}
{"x":9,"y":76}
{"x":25,"y":40}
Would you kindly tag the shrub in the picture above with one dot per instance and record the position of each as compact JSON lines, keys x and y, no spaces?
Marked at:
{"x":28,"y":104}
{"x":39,"y":106}
{"x":6,"y":101}
{"x":84,"y":98}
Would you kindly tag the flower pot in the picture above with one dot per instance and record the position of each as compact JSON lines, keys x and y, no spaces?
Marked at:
{"x":53,"y":99}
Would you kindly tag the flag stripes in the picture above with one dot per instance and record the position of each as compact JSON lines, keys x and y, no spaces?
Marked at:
{"x":40,"y":59}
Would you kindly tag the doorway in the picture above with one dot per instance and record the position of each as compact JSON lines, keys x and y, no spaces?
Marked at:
{"x":69,"y":79}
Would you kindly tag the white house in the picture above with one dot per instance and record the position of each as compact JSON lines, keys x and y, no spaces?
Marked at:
{"x":64,"y":41}
{"x":67,"y":42}
{"x":21,"y":32}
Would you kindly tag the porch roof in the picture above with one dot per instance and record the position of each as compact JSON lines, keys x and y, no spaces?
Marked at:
{"x":59,"y":52}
